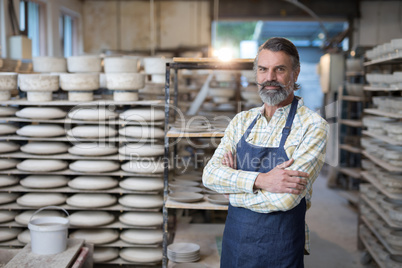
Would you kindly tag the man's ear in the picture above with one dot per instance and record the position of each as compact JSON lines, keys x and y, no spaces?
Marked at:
{"x":296,"y":73}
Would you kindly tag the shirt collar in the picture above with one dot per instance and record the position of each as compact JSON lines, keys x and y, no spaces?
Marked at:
{"x":284,"y":109}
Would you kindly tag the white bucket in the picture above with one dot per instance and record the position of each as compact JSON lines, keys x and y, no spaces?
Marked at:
{"x":48,"y":234}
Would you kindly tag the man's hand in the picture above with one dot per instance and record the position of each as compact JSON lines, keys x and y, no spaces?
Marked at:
{"x":279,"y":180}
{"x":229,"y":160}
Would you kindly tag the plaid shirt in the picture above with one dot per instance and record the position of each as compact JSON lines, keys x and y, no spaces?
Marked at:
{"x":306,"y":144}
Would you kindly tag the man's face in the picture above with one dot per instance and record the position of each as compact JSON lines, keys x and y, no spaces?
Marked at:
{"x":275,"y":76}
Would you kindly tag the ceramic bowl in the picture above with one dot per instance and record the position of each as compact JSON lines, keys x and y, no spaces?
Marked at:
{"x":49,"y":64}
{"x":79,"y":81}
{"x":154,"y":65}
{"x":84,"y":64}
{"x":125,"y":81}
{"x":120,"y":65}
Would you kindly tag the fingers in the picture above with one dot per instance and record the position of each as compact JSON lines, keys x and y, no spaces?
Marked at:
{"x":227,"y":160}
{"x":296,"y":173}
{"x":286,"y":164}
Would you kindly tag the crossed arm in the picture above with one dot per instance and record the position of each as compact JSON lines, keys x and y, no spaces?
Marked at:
{"x":283,"y":187}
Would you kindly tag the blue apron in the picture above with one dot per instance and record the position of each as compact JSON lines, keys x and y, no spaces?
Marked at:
{"x":269,"y":240}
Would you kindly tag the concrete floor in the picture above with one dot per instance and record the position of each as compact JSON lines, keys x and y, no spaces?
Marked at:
{"x":333,"y":228}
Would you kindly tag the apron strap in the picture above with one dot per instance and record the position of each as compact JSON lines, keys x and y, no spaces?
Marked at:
{"x":250,"y":127}
{"x":289,"y":122}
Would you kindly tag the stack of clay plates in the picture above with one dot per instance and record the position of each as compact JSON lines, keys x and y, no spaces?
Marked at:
{"x":218,"y":199}
{"x":186,"y":197}
{"x":183,"y":252}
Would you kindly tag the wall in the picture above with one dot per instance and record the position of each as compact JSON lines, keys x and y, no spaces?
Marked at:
{"x":53,"y":9}
{"x":380,"y":22}
{"x":125,"y":25}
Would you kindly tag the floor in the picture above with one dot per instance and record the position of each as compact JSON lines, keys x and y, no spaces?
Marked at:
{"x":333,"y":227}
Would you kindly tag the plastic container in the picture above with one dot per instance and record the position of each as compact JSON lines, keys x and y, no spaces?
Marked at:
{"x":48,"y":234}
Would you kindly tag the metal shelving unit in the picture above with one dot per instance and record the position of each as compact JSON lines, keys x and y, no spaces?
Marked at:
{"x":373,"y":179}
{"x":116,"y":209}
{"x":350,"y":127}
{"x":189,"y":63}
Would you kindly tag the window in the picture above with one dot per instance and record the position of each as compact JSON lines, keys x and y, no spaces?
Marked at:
{"x":67,"y":35}
{"x":31,"y":24}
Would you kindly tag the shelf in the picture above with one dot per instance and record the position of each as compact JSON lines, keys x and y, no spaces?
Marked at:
{"x":121,"y":261}
{"x":354,"y":73}
{"x":382,"y":163}
{"x":383,"y":138}
{"x":350,"y":148}
{"x":119,"y":139}
{"x":382,"y":113}
{"x":370,"y":178}
{"x":388,"y":60}
{"x":368,"y":88}
{"x":98,"y":101}
{"x":351,"y":172}
{"x":115,"y":225}
{"x":354,"y":98}
{"x":115,"y":207}
{"x":74,"y":173}
{"x":176,"y":134}
{"x":66,"y":189}
{"x":121,"y":244}
{"x":352,"y":196}
{"x":111,"y":122}
{"x":381,"y":212}
{"x":380,"y":238}
{"x":205,"y":236}
{"x":67,"y":156}
{"x":196,"y":205}
{"x":373,"y":253}
{"x":351,"y":123}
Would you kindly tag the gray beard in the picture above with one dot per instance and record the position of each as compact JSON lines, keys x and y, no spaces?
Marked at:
{"x":273,"y":97}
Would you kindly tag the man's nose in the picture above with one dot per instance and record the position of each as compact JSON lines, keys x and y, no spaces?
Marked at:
{"x":271,"y":75}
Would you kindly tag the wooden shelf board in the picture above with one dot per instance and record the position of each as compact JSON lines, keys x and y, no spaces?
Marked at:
{"x":387,"y":60}
{"x":351,"y":196}
{"x":380,"y":238}
{"x":176,"y":134}
{"x":382,"y":113}
{"x":354,"y":98}
{"x":119,"y":122}
{"x":67,"y":156}
{"x":74,"y":173}
{"x":210,"y":60}
{"x":382,"y":137}
{"x":66,"y":189}
{"x":352,"y":172}
{"x":116,"y":207}
{"x":114,"y":225}
{"x":354,"y":73}
{"x":370,"y":178}
{"x":74,"y":140}
{"x":98,"y":100}
{"x":350,"y":148}
{"x":120,"y":261}
{"x":203,"y":205}
{"x":373,"y":253}
{"x":351,"y":123}
{"x":205,"y":236}
{"x":381,"y":212}
{"x":369,"y":88}
{"x":382,"y":163}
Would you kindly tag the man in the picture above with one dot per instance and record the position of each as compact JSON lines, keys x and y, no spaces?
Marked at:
{"x":267,"y":162}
